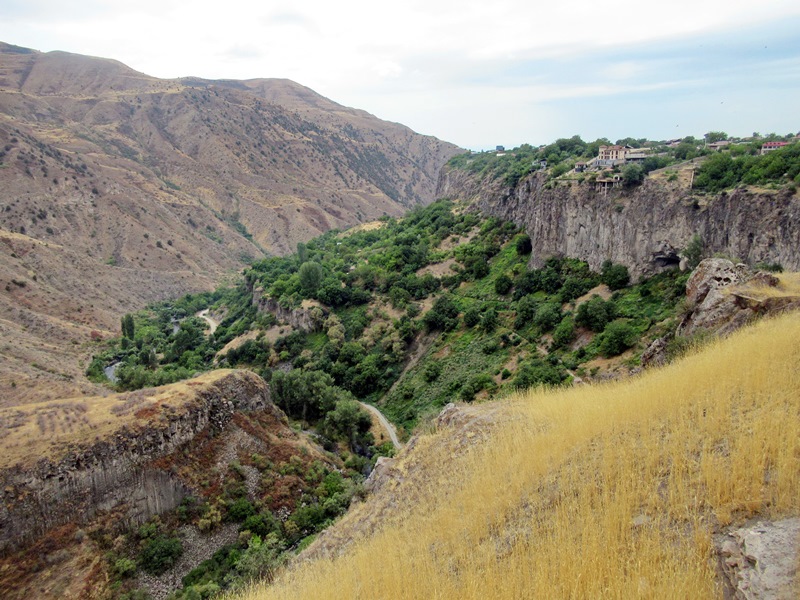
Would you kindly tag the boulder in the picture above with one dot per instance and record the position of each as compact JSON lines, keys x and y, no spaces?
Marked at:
{"x":760,"y":562}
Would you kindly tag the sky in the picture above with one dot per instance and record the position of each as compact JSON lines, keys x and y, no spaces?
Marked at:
{"x":478,"y":74}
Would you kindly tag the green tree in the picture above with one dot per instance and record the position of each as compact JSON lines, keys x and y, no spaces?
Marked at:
{"x":617,"y":337}
{"x":595,"y":313}
{"x":547,"y":316}
{"x":489,"y":320}
{"x":564,"y":333}
{"x":128,"y":326}
{"x":614,"y":276}
{"x":347,"y":422}
{"x":632,"y":174}
{"x":472,"y":316}
{"x":523,"y":244}
{"x":310,"y":275}
{"x":503,"y":284}
{"x":715,"y":136}
{"x":159,"y":554}
{"x":694,"y":251}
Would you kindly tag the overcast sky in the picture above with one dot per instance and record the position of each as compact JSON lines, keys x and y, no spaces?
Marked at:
{"x":474,"y":73}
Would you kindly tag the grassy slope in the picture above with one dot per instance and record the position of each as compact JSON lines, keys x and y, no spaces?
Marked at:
{"x":546,"y":504}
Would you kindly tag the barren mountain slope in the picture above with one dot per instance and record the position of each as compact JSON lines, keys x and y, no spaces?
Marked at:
{"x":117,"y":189}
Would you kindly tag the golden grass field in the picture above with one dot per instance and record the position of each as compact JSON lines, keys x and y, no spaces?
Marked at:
{"x":600,"y":491}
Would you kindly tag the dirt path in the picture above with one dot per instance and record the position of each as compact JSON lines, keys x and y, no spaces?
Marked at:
{"x":386,"y":425}
{"x":212,"y":322}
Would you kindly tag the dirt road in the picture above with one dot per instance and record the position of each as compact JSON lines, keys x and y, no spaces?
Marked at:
{"x":212,"y":323}
{"x":386,"y":424}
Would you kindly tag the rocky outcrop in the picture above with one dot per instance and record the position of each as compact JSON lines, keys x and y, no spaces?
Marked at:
{"x":308,"y":317}
{"x":718,"y":301}
{"x":643,"y":228}
{"x":760,"y":562}
{"x":118,"y":472}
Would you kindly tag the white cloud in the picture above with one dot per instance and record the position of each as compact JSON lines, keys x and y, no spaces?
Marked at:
{"x":463,"y":61}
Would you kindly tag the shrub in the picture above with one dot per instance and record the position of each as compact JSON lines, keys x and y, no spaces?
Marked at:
{"x":694,"y":251}
{"x":547,"y":316}
{"x":124,"y":567}
{"x":240,"y":510}
{"x":538,"y":372}
{"x":523,"y":244}
{"x":614,"y":276}
{"x":489,"y":320}
{"x":503,"y":284}
{"x":564,"y":333}
{"x":595,"y":314}
{"x":618,"y":336}
{"x":472,"y":316}
{"x":432,"y":371}
{"x":159,"y":554}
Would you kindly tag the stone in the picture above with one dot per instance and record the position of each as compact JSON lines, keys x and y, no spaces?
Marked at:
{"x":761,"y":562}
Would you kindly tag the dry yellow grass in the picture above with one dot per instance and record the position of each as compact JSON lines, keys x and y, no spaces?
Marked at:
{"x":788,"y":287}
{"x":47,"y":429}
{"x":604,"y":491}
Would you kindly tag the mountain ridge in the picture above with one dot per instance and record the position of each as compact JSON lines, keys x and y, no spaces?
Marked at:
{"x":177,"y":185}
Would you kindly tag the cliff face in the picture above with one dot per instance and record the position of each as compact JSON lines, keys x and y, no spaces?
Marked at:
{"x":119,"y":472}
{"x":644,"y":228}
{"x":308,"y":317}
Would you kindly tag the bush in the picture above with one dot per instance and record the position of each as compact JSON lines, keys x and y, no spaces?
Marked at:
{"x":472,"y":316}
{"x":547,"y":316}
{"x":489,"y":320}
{"x":240,"y":510}
{"x":538,"y":372}
{"x":695,"y":250}
{"x":595,"y":314}
{"x":432,"y":371}
{"x":617,"y":337}
{"x":124,"y":567}
{"x":443,"y":315}
{"x":564,"y":333}
{"x":159,"y":554}
{"x":503,"y":284}
{"x":523,"y":244}
{"x":614,"y":276}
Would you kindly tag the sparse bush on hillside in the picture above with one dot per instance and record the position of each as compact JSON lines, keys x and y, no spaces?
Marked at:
{"x":595,"y":313}
{"x":617,"y":337}
{"x":694,"y":251}
{"x":538,"y":372}
{"x":159,"y":554}
{"x":547,"y":316}
{"x":614,"y":276}
{"x":503,"y":284}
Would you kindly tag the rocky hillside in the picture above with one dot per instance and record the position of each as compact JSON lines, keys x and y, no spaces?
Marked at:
{"x":119,"y":189}
{"x":80,"y":477}
{"x":644,"y":227}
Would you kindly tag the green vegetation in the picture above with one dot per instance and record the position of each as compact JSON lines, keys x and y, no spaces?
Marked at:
{"x":478,"y":318}
{"x":434,"y":308}
{"x":265,"y":541}
{"x":739,"y":163}
{"x":724,"y":171}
